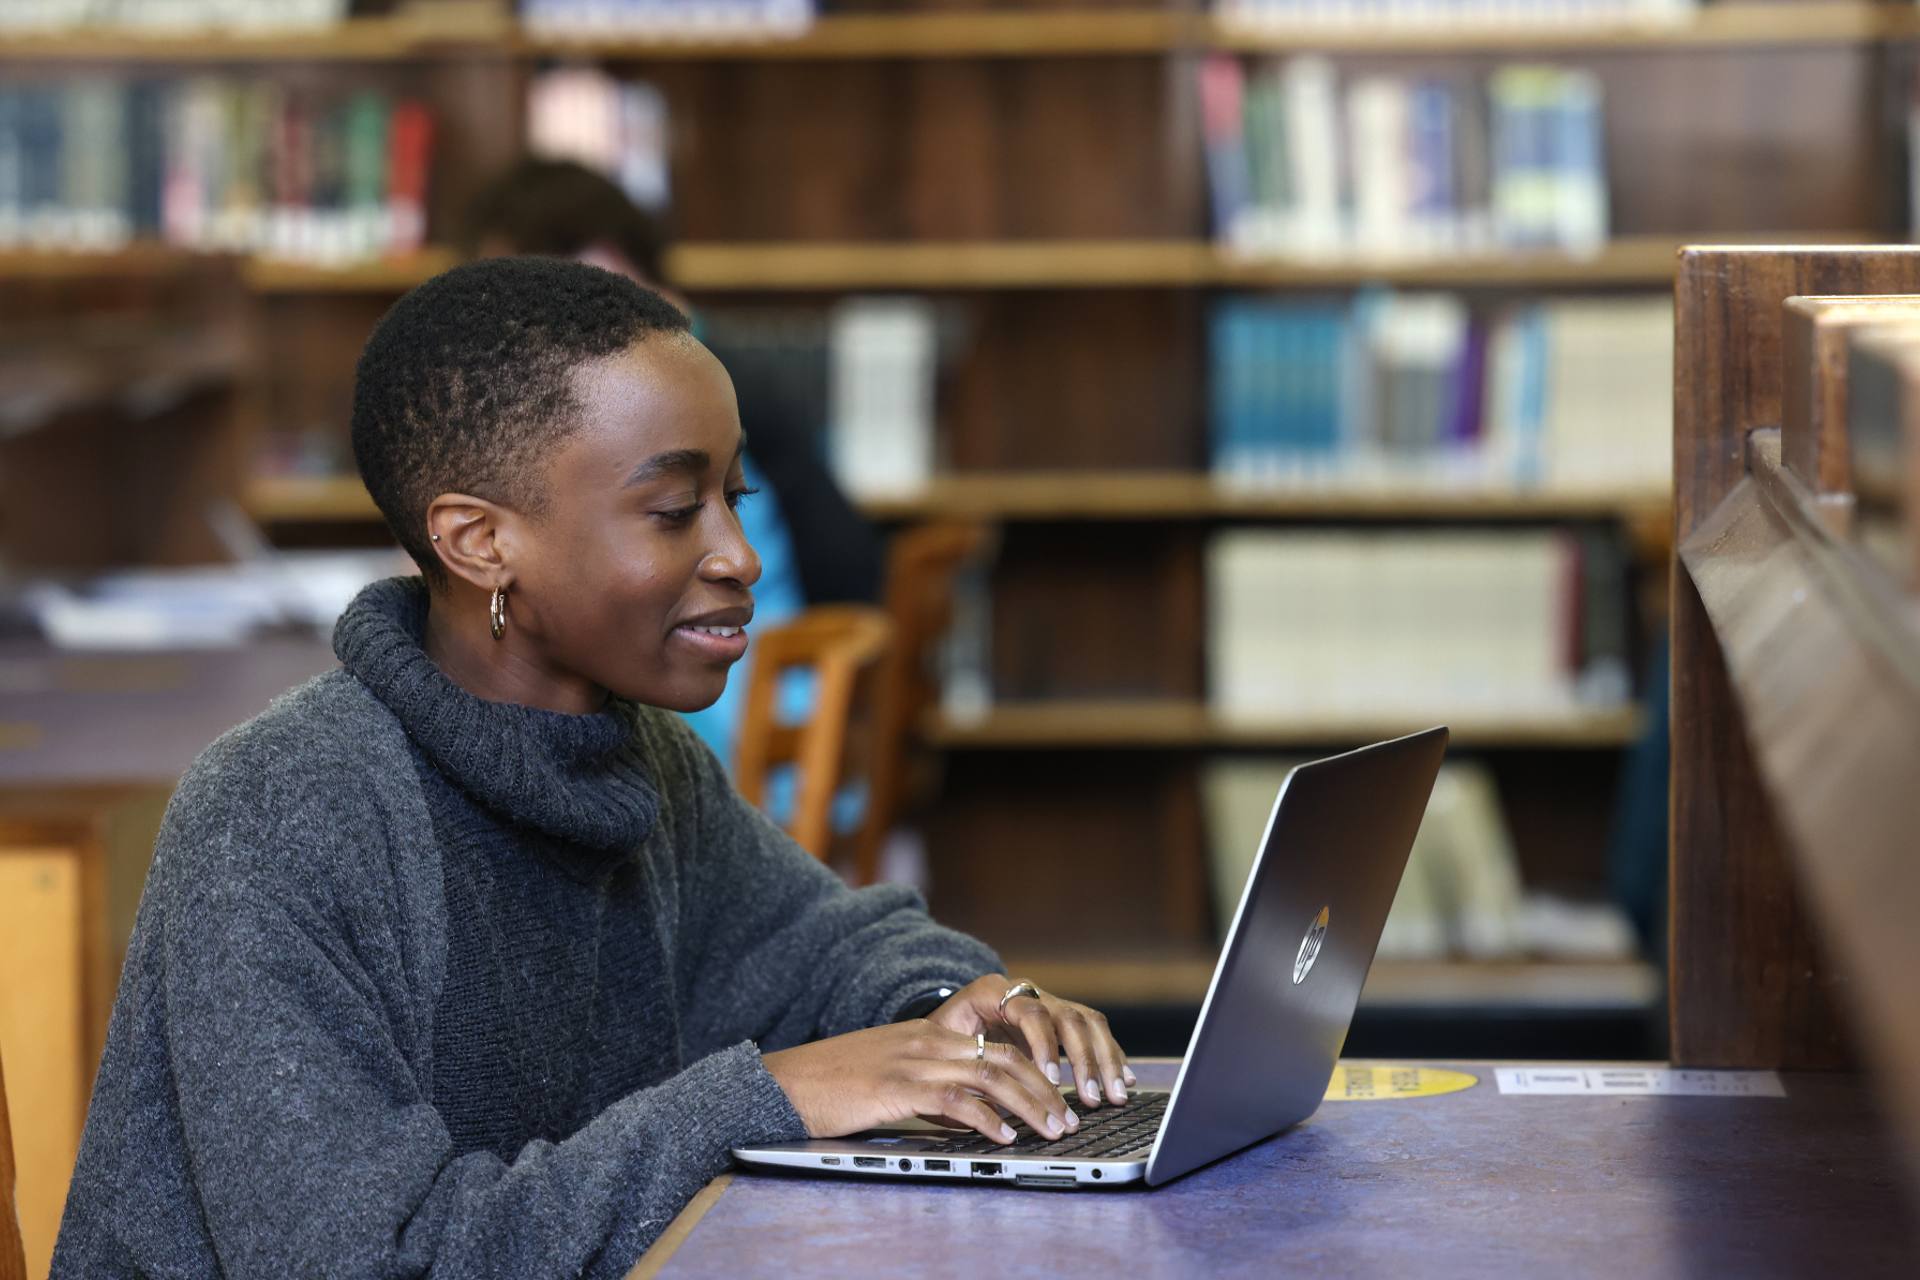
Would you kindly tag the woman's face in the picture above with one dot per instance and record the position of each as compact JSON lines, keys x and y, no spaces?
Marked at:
{"x":637,"y":576}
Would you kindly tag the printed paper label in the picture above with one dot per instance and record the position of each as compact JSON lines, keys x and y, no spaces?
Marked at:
{"x":1639,"y":1081}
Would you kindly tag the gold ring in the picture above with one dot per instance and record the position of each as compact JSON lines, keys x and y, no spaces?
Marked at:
{"x":1020,"y":988}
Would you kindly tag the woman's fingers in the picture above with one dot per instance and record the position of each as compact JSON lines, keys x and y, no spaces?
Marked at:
{"x":954,"y":1105}
{"x":1006,"y":1077}
{"x":1079,"y":1046}
{"x":1035,"y":1027}
{"x":1106,"y":1052}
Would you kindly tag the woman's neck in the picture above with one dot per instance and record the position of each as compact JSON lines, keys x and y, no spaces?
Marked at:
{"x":504,"y":670}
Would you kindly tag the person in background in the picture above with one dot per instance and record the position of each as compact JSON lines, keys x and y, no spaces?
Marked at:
{"x":814,"y":547}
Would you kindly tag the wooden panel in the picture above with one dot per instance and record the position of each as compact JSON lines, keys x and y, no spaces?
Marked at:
{"x":1084,"y":612}
{"x":881,"y":151}
{"x":42,"y":1036}
{"x":1824,"y":652}
{"x":1813,"y":427}
{"x":1070,"y":854}
{"x":1047,"y":382}
{"x":1773,"y":140}
{"x":1749,"y":988}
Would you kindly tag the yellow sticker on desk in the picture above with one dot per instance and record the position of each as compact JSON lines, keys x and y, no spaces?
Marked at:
{"x":1374,"y":1084}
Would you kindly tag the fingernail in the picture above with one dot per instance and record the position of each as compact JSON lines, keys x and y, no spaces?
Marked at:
{"x":1117,"y":1091}
{"x":1053,"y":1072}
{"x":1054,"y":1127}
{"x":1073,"y":1121}
{"x":1128,"y":1073}
{"x":1089,"y":1094}
{"x":1006,"y":1133}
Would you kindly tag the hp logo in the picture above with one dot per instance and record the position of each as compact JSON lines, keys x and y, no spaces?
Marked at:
{"x":1310,"y":947}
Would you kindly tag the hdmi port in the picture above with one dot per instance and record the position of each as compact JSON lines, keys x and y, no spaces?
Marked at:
{"x":869,"y":1162}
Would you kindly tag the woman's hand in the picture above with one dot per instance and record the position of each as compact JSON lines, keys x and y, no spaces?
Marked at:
{"x":887,"y":1074}
{"x":1043,"y":1025}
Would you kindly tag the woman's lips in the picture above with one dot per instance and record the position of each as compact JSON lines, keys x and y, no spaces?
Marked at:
{"x":721,"y":644}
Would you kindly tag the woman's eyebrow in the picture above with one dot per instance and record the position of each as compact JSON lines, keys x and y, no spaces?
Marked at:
{"x":672,"y":462}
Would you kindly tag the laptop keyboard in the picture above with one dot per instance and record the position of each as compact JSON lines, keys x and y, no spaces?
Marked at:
{"x":1110,"y":1131}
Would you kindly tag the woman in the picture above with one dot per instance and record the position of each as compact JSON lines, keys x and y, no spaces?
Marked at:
{"x":466,"y":959}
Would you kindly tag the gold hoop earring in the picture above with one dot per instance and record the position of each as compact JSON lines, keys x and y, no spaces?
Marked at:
{"x":497,"y":612}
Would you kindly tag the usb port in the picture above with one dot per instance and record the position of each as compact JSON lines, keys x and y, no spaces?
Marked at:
{"x":869,"y":1162}
{"x":829,"y":1159}
{"x":985,"y":1169}
{"x":939,"y":1166}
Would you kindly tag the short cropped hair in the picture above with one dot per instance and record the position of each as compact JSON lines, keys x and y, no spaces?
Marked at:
{"x":560,"y":208}
{"x":466,"y":385}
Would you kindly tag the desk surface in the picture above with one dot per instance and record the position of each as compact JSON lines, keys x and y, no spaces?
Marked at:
{"x":78,"y":719}
{"x":1467,"y":1184}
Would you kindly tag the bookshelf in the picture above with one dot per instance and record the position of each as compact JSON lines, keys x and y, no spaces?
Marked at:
{"x":1180,"y":978}
{"x":1191,"y":726}
{"x":1033,"y":32}
{"x":1040,"y":169}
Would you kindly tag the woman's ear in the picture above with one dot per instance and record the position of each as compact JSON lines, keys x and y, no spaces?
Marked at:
{"x":465,"y":532}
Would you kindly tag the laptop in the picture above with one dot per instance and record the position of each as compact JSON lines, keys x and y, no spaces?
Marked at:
{"x":1275,"y":1016}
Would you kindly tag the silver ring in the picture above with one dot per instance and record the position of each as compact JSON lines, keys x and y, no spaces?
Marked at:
{"x":980,"y":1045}
{"x":1020,"y":988}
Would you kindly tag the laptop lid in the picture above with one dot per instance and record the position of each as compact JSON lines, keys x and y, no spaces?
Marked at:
{"x":1288,"y":979}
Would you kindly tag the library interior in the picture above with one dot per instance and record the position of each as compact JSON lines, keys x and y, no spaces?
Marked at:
{"x":1535,"y":368}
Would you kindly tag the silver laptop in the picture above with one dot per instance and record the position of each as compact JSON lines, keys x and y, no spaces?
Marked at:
{"x":1276,"y":1013}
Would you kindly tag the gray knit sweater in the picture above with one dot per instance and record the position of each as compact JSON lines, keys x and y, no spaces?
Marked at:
{"x":427,"y":985}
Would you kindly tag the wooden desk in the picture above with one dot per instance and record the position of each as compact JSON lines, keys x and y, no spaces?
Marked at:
{"x":1467,"y":1184}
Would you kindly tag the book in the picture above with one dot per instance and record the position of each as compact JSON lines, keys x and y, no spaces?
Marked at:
{"x":209,"y":162}
{"x":615,"y":127}
{"x":1393,"y":166}
{"x":883,"y":358}
{"x":1411,"y":388}
{"x":1344,"y":623}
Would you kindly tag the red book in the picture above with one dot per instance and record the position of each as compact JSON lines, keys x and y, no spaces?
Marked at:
{"x":409,"y":155}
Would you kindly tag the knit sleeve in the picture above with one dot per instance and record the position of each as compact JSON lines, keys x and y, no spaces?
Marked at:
{"x":264,"y":1107}
{"x":773,"y":946}
{"x":316,"y":1152}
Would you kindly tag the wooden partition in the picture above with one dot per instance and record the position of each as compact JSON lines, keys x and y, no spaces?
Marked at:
{"x":1796,"y":677}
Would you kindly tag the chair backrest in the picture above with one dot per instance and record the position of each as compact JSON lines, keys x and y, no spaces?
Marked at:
{"x":843,"y":647}
{"x":13,"y":1254}
{"x":922,"y":565}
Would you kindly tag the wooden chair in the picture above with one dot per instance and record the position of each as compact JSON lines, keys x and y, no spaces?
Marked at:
{"x":922,"y":565}
{"x":13,"y":1255}
{"x":843,"y":646}
{"x":1796,"y":663}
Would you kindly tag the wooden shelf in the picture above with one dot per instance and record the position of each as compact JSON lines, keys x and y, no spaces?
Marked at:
{"x":1712,"y":26}
{"x":372,"y":39}
{"x":1091,"y":496}
{"x":1187,"y":495}
{"x":1169,"y":724}
{"x":384,"y":275}
{"x":140,"y":261}
{"x":827,"y":267}
{"x":1032,"y":264}
{"x":1181,"y":977}
{"x":310,"y":500}
{"x":985,"y":34}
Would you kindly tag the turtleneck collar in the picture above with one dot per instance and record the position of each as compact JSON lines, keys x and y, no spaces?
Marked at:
{"x":577,"y":778}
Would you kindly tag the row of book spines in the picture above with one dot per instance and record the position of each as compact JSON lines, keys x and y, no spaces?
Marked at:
{"x":1526,"y":618}
{"x":1409,"y":166}
{"x":690,"y":17}
{"x":212,"y":164}
{"x":1299,"y":391}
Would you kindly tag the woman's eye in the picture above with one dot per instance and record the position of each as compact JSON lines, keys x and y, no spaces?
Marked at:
{"x":737,"y":496}
{"x":680,"y":515}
